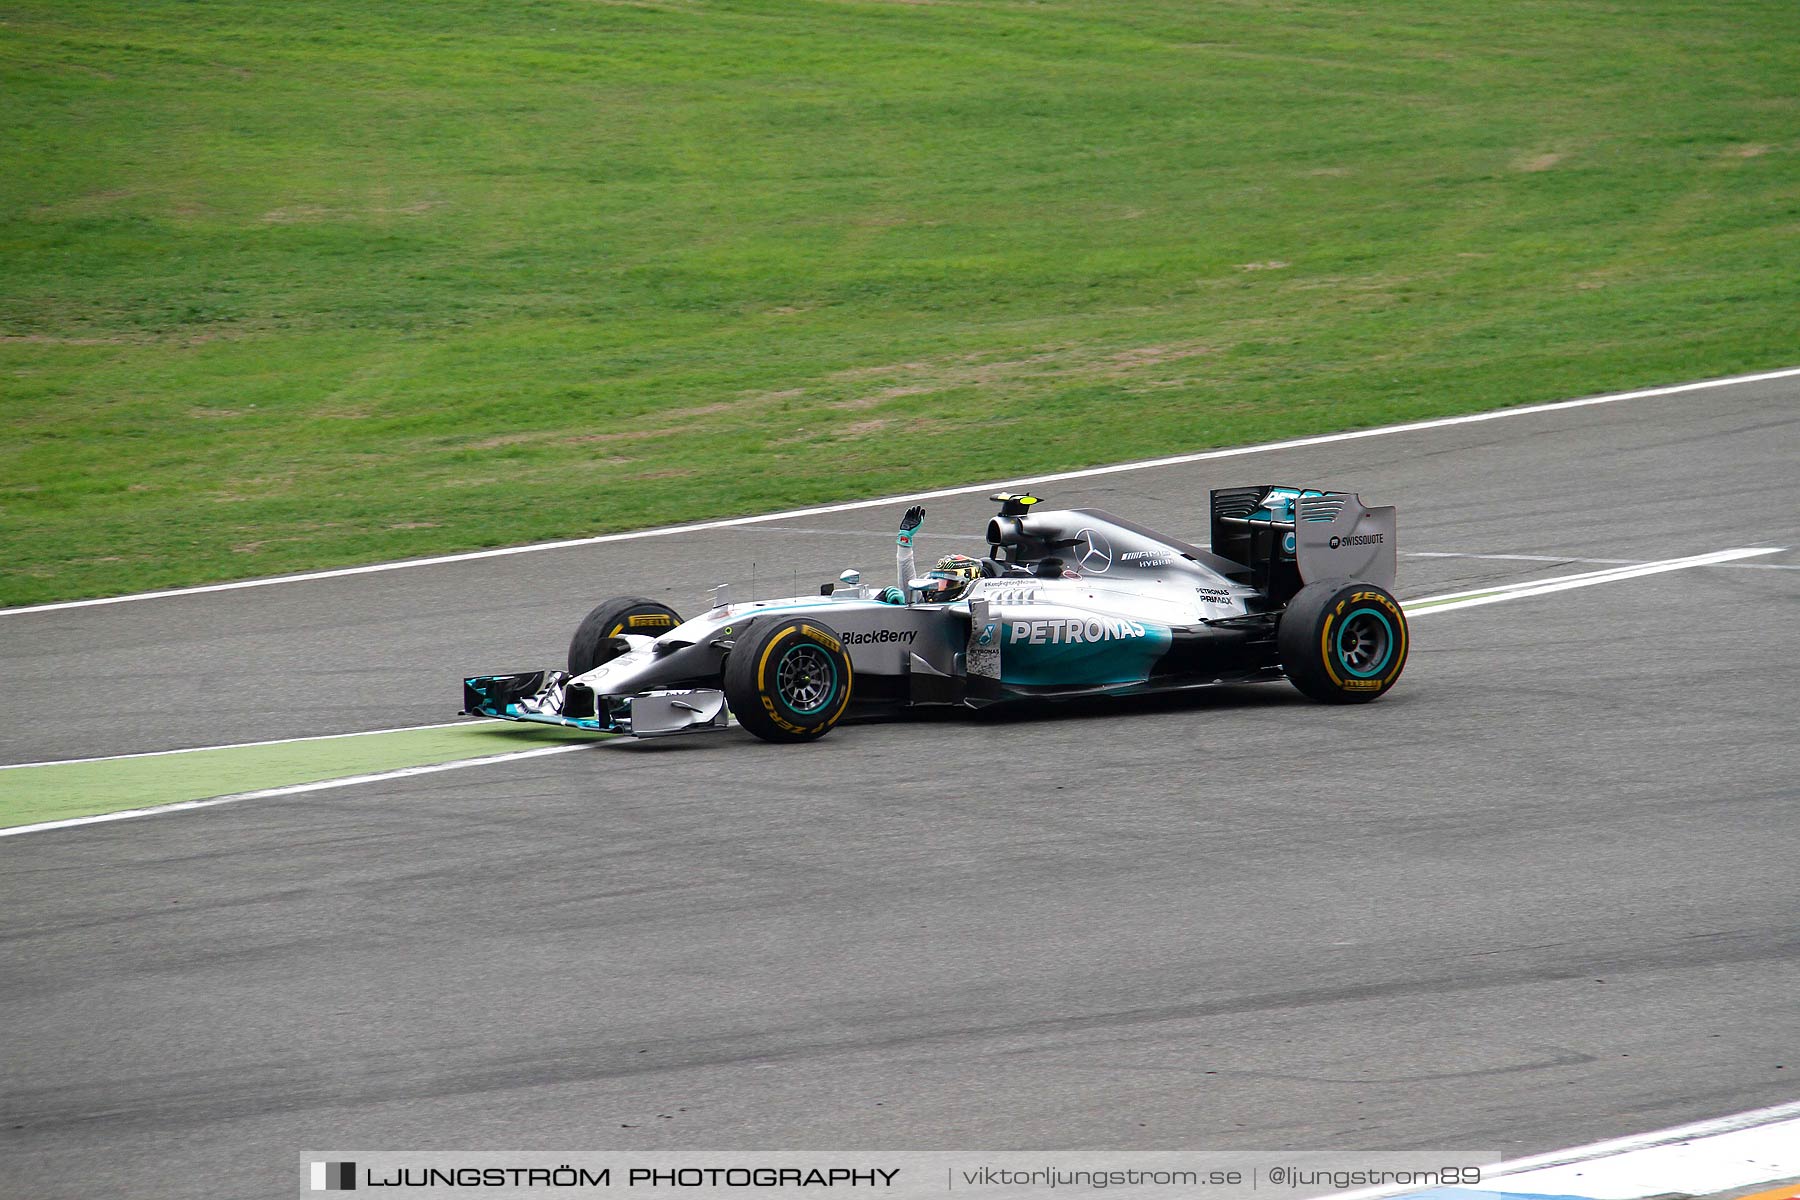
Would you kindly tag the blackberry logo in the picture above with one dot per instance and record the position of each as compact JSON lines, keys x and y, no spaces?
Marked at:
{"x":881,"y":636}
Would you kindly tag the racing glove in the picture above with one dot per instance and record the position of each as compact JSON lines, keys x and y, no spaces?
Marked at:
{"x":910,"y":525}
{"x":892,"y":595}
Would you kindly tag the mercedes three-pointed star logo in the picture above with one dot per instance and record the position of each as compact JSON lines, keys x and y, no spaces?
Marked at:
{"x":1096,"y":552}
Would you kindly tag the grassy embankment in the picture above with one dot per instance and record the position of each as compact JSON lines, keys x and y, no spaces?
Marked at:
{"x":299,"y":285}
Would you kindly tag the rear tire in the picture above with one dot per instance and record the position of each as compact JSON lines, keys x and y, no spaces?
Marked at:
{"x":591,"y":644}
{"x":789,"y":681}
{"x":1343,"y":642}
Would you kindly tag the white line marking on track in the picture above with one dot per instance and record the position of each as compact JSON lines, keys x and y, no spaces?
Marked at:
{"x":1492,"y":594}
{"x":1030,"y":481}
{"x":1547,"y":558}
{"x":1538,"y":587}
{"x":1730,"y":1127}
{"x":315,"y":737}
{"x":1421,"y":607}
{"x":299,"y":788}
{"x":1725,"y":1152}
{"x":1693,"y":1166}
{"x":1568,"y":558}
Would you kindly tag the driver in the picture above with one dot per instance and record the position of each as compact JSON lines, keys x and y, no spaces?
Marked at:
{"x":950,"y":577}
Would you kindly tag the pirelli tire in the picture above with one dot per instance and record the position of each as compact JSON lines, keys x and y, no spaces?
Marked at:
{"x":1343,"y":642}
{"x":789,"y":680}
{"x":591,"y":644}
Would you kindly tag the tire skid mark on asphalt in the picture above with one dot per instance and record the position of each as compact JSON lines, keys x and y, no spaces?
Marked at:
{"x":1424,"y":606}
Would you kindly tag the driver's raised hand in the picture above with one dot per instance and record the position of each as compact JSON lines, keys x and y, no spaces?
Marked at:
{"x":910,"y":524}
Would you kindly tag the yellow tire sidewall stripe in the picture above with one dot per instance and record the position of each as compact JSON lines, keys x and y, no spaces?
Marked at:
{"x":1383,"y":600}
{"x":824,"y":639}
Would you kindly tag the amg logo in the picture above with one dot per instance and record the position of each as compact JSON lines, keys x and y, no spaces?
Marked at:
{"x":1359,"y":539}
{"x":875,"y":637}
{"x":1072,"y":632}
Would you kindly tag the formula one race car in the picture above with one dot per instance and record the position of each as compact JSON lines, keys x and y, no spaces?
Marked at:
{"x":1069,"y":603}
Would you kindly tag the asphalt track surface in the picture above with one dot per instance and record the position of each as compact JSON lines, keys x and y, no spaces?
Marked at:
{"x":1541,"y":894}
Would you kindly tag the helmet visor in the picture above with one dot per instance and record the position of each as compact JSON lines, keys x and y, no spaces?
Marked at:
{"x":947,"y":583}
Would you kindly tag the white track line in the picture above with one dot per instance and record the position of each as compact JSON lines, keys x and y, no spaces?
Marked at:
{"x":1697,"y":1166}
{"x":1544,"y":558}
{"x":1445,"y":603}
{"x":1089,"y":473}
{"x":1500,"y":1177}
{"x":1451,"y":601}
{"x":1661,"y":1137}
{"x":1424,"y":605}
{"x":1662,"y":1141}
{"x":299,"y":788}
{"x":315,"y":737}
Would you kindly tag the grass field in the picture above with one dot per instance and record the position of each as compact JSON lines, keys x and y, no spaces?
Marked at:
{"x":299,"y":285}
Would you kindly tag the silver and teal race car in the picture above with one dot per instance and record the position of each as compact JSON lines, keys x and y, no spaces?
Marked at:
{"x":1068,"y":603}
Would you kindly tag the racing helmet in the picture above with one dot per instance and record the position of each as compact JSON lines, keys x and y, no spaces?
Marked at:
{"x":951,"y":577}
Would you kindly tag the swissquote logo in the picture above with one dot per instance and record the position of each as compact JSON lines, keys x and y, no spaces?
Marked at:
{"x":333,"y":1176}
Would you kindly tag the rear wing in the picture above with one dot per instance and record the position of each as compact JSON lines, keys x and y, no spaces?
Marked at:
{"x":1291,"y":536}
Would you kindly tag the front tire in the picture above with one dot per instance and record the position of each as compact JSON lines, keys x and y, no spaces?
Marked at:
{"x":592,"y":643}
{"x":789,"y":681}
{"x":1343,"y":642}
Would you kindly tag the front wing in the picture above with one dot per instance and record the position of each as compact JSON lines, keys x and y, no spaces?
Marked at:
{"x":553,"y":698}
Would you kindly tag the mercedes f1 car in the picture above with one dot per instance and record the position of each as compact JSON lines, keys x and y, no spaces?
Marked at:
{"x":1069,"y":603}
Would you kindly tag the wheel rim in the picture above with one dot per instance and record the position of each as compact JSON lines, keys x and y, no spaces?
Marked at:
{"x":1365,"y":643}
{"x":806,"y":679}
